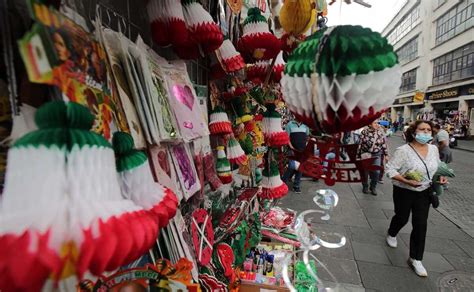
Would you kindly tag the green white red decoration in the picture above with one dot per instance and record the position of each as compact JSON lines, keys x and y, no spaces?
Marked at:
{"x":219,"y":122}
{"x":167,"y":22}
{"x":235,"y":153}
{"x":70,"y":217}
{"x":347,"y":85}
{"x":278,"y":67}
{"x":137,"y":180}
{"x":203,"y":31}
{"x":272,"y":185}
{"x":257,"y":72}
{"x":230,"y":59}
{"x":257,"y":42}
{"x":223,"y":166}
{"x":272,"y":129}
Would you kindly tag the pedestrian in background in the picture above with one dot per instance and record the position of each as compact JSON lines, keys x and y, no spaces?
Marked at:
{"x":411,"y":169}
{"x":298,"y":133}
{"x":372,"y":144}
{"x":441,"y":140}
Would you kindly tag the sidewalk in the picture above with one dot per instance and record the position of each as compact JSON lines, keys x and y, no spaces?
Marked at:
{"x":366,"y":263}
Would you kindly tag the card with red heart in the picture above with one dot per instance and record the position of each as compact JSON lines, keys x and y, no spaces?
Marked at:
{"x":163,"y":169}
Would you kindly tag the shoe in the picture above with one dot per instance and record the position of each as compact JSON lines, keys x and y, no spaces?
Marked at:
{"x":391,"y":241}
{"x":373,"y":191}
{"x":417,"y":267}
{"x":380,"y":181}
{"x":297,"y":190}
{"x":365,"y":190}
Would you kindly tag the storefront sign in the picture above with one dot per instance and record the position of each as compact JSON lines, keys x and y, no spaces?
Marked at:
{"x":403,"y":100}
{"x":419,"y":97}
{"x":451,"y":92}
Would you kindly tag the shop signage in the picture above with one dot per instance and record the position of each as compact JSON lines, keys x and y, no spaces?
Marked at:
{"x":403,"y":100}
{"x":451,"y":92}
{"x":419,"y":97}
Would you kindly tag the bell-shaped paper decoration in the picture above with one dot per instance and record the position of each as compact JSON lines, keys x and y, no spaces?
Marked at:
{"x":257,"y":42}
{"x":167,"y":22}
{"x":290,"y":42}
{"x":297,"y":16}
{"x":357,"y":76}
{"x":137,"y":180}
{"x":278,"y":67}
{"x":216,"y":71}
{"x":219,"y":122}
{"x":230,"y":59}
{"x":235,"y":153}
{"x":257,"y":72}
{"x":274,"y":134}
{"x":223,"y":166}
{"x":159,"y":23}
{"x":203,"y":31}
{"x":69,"y":217}
{"x":272,"y":185}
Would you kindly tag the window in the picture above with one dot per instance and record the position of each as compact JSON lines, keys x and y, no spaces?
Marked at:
{"x":408,"y":52}
{"x":405,"y":25}
{"x":408,"y":81}
{"x":455,"y":21}
{"x":455,"y":65}
{"x":440,"y":2}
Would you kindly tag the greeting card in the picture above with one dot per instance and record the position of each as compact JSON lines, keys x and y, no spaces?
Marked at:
{"x":185,"y":169}
{"x":183,"y":101}
{"x":163,"y":169}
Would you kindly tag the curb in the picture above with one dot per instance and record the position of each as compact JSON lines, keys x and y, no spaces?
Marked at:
{"x":464,"y":149}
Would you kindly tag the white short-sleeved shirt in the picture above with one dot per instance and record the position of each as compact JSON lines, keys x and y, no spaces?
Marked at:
{"x":405,"y":160}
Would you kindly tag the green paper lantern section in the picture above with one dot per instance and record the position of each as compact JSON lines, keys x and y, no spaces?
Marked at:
{"x":357,"y":76}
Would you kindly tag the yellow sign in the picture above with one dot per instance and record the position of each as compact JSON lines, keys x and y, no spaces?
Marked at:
{"x":419,"y":97}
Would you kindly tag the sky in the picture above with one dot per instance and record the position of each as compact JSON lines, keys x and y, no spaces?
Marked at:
{"x":376,"y":17}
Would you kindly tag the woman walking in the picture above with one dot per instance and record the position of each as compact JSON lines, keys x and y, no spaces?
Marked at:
{"x":372,"y":144}
{"x":411,"y":169}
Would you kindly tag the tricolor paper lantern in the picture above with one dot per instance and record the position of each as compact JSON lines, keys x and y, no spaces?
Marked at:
{"x":203,"y":31}
{"x":257,"y":72}
{"x":235,"y":153}
{"x":357,"y":76}
{"x":257,"y":42}
{"x":223,"y":166}
{"x":167,"y":22}
{"x":273,"y":132}
{"x":278,"y":67}
{"x":137,"y":180}
{"x":219,"y":122}
{"x":230,"y":59}
{"x":62,"y":211}
{"x":272,"y":185}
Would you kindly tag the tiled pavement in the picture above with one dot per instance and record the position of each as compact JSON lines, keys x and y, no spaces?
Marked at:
{"x":366,"y":263}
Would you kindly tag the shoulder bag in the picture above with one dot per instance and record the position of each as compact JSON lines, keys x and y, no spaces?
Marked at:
{"x":433,"y":198}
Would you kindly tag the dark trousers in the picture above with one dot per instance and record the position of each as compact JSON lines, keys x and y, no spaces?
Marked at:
{"x":374,"y":174}
{"x":290,"y":171}
{"x":418,"y":203}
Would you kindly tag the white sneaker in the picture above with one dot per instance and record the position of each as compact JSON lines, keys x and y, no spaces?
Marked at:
{"x":417,"y":266}
{"x":391,"y":241}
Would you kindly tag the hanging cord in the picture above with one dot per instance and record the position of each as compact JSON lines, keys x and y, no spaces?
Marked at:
{"x":8,"y":55}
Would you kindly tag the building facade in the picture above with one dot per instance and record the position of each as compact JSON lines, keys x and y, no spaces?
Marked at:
{"x":434,"y":41}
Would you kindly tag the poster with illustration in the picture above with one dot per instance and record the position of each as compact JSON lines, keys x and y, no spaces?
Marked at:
{"x":59,"y":52}
{"x":183,"y":101}
{"x":185,"y":169}
{"x":112,"y":47}
{"x":163,"y":169}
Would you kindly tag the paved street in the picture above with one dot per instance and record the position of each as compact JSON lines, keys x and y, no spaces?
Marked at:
{"x":366,"y":263}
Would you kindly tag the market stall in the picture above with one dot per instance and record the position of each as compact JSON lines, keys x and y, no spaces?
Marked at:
{"x":155,"y":159}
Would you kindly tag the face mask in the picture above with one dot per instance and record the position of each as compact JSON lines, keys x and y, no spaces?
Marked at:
{"x":423,"y":138}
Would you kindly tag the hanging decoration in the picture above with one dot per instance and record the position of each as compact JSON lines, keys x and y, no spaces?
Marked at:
{"x":235,"y":153}
{"x":275,"y":136}
{"x":223,"y":166}
{"x":219,"y":122}
{"x":202,"y":235}
{"x":168,"y":26}
{"x":229,"y":58}
{"x":341,"y":78}
{"x":278,"y":68}
{"x":257,"y":42}
{"x":137,"y":181}
{"x":257,"y":72}
{"x":91,"y":229}
{"x":272,"y":185}
{"x":296,"y":18}
{"x":203,"y":31}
